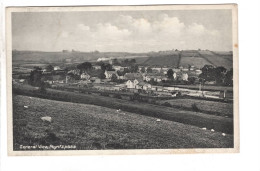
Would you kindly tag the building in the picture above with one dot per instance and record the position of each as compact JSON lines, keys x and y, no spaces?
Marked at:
{"x":74,"y":72}
{"x":184,"y":77}
{"x":56,"y":68}
{"x":109,"y":74}
{"x":133,"y":76}
{"x":95,"y":80}
{"x":96,"y":66}
{"x":84,"y":76}
{"x":118,"y":68}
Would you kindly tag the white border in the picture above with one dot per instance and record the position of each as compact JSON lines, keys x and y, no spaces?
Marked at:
{"x":247,"y":159}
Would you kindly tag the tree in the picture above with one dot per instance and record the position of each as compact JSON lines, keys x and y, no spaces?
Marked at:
{"x":106,"y":67}
{"x":207,"y":73}
{"x":49,"y":68}
{"x":229,"y":78}
{"x":143,"y":70}
{"x":120,"y":73}
{"x":149,"y":70}
{"x":133,"y":61}
{"x":35,"y":78}
{"x":219,"y":74}
{"x":133,"y":68}
{"x":191,"y":80}
{"x":114,"y":78}
{"x":102,"y":75}
{"x":84,"y":66}
{"x":170,"y":73}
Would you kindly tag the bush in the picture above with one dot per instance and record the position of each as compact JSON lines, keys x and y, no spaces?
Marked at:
{"x":167,"y":104}
{"x":195,"y":107}
{"x":117,"y":96}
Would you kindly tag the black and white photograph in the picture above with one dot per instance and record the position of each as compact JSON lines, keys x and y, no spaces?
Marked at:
{"x":122,"y":79}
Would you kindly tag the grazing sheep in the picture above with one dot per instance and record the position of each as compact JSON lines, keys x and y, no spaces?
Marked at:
{"x":223,"y":134}
{"x":47,"y":119}
{"x":118,"y":110}
{"x":204,"y":128}
{"x":25,"y":107}
{"x":212,"y":130}
{"x":158,"y":120}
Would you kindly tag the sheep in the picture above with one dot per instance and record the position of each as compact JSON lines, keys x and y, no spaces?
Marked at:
{"x":212,"y":130}
{"x":118,"y":110}
{"x":158,"y":120}
{"x":47,"y":119}
{"x":26,"y":107}
{"x":223,"y":134}
{"x":204,"y":128}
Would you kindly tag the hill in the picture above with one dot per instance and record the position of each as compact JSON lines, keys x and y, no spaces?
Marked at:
{"x":197,"y":58}
{"x":188,"y":58}
{"x":38,"y":56}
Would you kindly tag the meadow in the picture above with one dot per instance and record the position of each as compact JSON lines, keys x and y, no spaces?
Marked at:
{"x":92,"y":127}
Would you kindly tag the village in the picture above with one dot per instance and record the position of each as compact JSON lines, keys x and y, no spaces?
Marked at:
{"x":111,"y":74}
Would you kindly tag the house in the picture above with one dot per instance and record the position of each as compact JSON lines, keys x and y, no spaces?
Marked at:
{"x":157,"y":69}
{"x":74,"y":72}
{"x":56,"y":68}
{"x":130,"y":84}
{"x":184,"y":77}
{"x":198,"y":71}
{"x":133,"y":76}
{"x":84,"y":76}
{"x":95,"y":80}
{"x":118,"y":68}
{"x":96,"y":67}
{"x":103,"y":59}
{"x":157,"y":77}
{"x":174,"y":76}
{"x":147,"y":86}
{"x":176,"y":70}
{"x":109,"y":74}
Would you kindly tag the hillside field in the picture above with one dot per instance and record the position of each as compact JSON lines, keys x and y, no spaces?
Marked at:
{"x":92,"y":127}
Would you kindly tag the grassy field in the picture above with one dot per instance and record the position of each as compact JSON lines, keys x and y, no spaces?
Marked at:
{"x":223,"y":109}
{"x":218,"y":60}
{"x":218,"y":123}
{"x":196,"y":61}
{"x":162,"y":60}
{"x":94,"y":127}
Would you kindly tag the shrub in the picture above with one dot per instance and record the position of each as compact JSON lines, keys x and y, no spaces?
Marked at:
{"x":195,"y":107}
{"x":118,"y":96}
{"x":167,"y":104}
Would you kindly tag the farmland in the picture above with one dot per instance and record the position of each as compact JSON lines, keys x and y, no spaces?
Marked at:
{"x":173,"y":59}
{"x":224,"y":109}
{"x":94,"y":127}
{"x":178,"y":115}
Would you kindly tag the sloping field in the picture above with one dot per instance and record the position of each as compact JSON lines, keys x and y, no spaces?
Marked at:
{"x":195,"y":61}
{"x":217,"y":60}
{"x":218,"y":123}
{"x":165,"y":60}
{"x":224,"y":109}
{"x":93,"y":127}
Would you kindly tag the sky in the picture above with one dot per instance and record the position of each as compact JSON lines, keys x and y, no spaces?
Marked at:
{"x":123,"y":31}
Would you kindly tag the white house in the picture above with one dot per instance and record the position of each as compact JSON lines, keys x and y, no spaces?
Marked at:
{"x":56,"y":68}
{"x":184,"y":77}
{"x":118,"y":68}
{"x":96,"y":66}
{"x":109,"y":74}
{"x":84,"y":76}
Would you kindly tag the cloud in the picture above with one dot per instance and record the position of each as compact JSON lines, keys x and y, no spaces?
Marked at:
{"x":141,"y":34}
